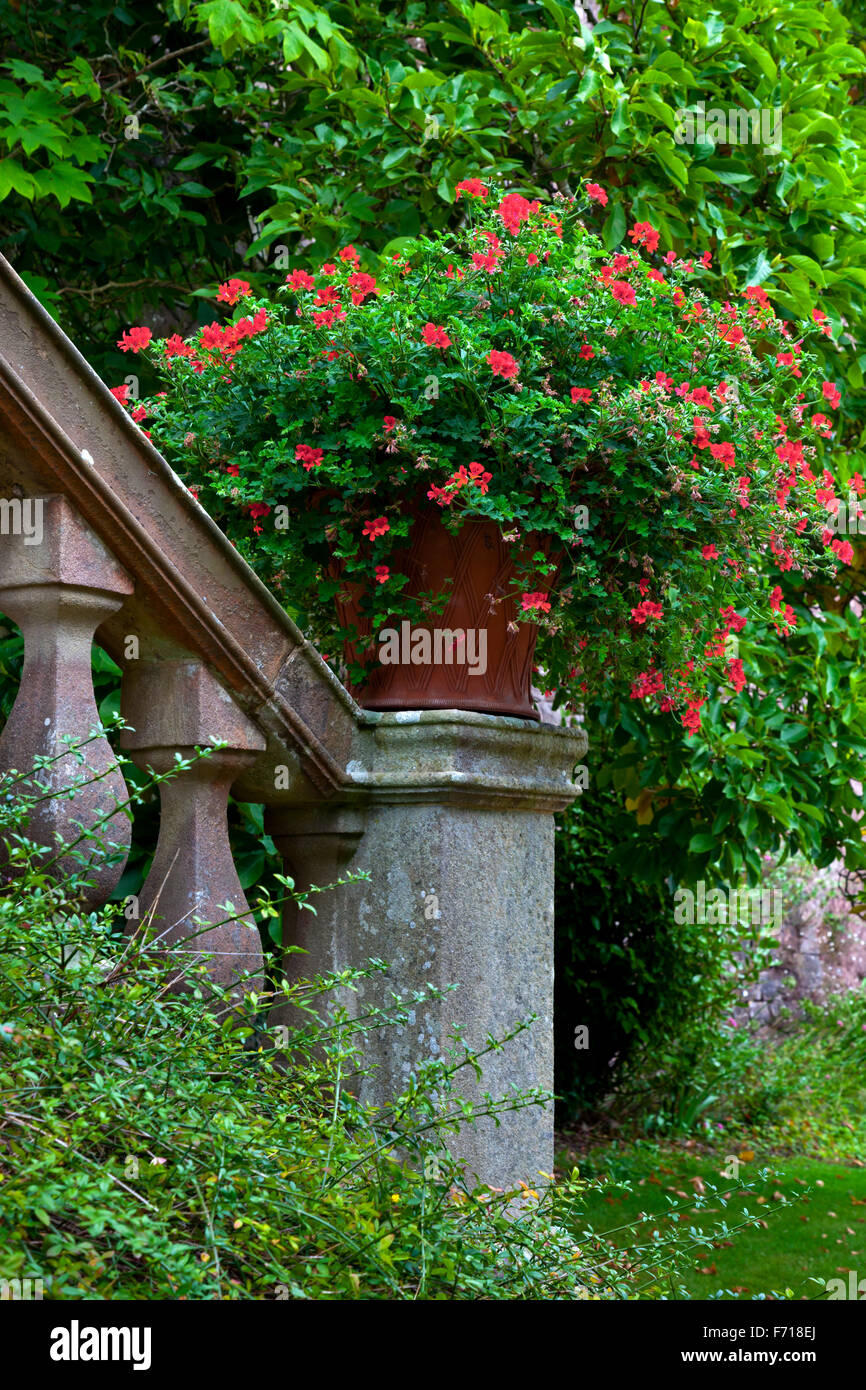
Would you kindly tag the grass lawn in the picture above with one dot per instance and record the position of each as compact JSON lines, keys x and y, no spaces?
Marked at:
{"x":821,"y":1235}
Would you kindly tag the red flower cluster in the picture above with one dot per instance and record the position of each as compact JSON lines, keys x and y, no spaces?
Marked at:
{"x":644,"y":234}
{"x":502,"y":364}
{"x":134,"y":339}
{"x":300,"y":280}
{"x":537,"y":602}
{"x":649,"y":682}
{"x":227,"y":339}
{"x":309,"y":457}
{"x":176,"y":347}
{"x":489,"y":260}
{"x":475,"y":476}
{"x":623,"y":292}
{"x":326,"y":318}
{"x":646,"y":610}
{"x":473,"y":188}
{"x":232,"y":291}
{"x":361,"y":285}
{"x":515,"y":209}
{"x":435,"y":337}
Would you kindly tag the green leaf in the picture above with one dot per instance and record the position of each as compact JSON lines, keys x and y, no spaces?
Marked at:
{"x":14,"y":179}
{"x":809,"y":267}
{"x":614,"y":227}
{"x":702,"y":843}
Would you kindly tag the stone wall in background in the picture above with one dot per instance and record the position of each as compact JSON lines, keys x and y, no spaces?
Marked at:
{"x":822,"y":944}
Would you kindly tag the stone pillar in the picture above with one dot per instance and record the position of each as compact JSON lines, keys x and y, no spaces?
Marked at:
{"x":458,"y":840}
{"x":58,"y":582}
{"x":193,"y":887}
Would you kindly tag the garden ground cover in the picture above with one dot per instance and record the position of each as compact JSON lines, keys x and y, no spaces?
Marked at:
{"x":812,"y":1213}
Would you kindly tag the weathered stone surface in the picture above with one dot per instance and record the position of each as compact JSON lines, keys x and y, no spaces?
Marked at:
{"x":821,"y":945}
{"x":192,"y":889}
{"x":59,"y":589}
{"x":457,"y":835}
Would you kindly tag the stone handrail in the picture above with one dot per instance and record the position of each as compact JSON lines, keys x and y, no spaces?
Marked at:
{"x":449,"y":812}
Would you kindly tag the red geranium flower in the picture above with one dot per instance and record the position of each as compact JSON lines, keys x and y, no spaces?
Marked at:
{"x":361,"y":285}
{"x":645,"y":233}
{"x":502,"y":364}
{"x":623,"y":292}
{"x":176,"y":347}
{"x":435,"y":337}
{"x":372,"y":529}
{"x":309,"y":457}
{"x":537,"y":601}
{"x":515,"y":209}
{"x":325,"y":318}
{"x":134,"y":339}
{"x":328,"y":294}
{"x":473,"y":187}
{"x":232,"y":291}
{"x":300,"y":280}
{"x":757,"y":294}
{"x":646,"y":610}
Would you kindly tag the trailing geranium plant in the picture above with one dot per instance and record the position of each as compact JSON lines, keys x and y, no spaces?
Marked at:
{"x":652,"y":456}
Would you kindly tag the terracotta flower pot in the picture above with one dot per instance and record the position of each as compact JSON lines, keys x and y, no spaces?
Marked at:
{"x":419,"y":666}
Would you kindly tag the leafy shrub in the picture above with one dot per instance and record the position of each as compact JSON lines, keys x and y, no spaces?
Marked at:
{"x":654,"y":994}
{"x":156,"y":1146}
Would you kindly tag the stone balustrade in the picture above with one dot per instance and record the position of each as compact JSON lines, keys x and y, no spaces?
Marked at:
{"x":449,"y":813}
{"x":59,"y":591}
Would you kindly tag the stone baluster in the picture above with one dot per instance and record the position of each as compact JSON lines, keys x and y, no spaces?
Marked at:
{"x":192,"y":896}
{"x":59,"y":583}
{"x":456,"y":810}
